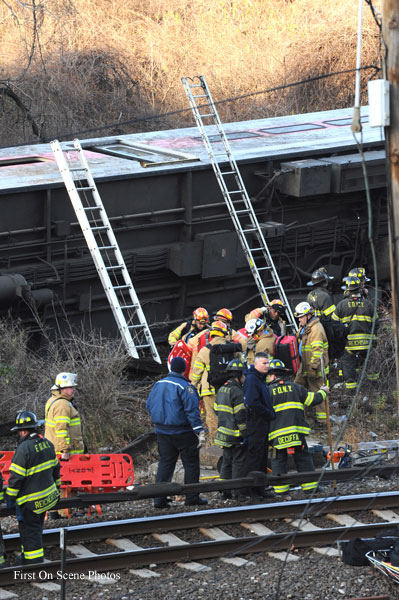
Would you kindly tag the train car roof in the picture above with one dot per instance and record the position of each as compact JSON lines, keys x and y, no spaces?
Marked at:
{"x":149,"y":153}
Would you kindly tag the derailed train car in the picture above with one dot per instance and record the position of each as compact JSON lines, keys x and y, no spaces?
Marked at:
{"x":302,"y":172}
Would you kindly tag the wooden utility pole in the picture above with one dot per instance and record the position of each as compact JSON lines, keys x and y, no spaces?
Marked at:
{"x":390,"y":32}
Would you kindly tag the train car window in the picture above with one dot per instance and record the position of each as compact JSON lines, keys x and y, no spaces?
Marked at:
{"x":22,"y":160}
{"x":235,"y":135}
{"x":147,"y":156}
{"x":292,"y":128}
{"x":348,"y":121}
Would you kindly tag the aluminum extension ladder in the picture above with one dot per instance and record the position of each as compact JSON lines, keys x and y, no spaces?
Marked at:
{"x":235,"y":194}
{"x":105,"y":251}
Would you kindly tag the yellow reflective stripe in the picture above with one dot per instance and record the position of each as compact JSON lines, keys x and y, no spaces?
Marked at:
{"x":329,"y":310}
{"x":208,"y":392}
{"x":223,"y":408}
{"x":62,"y":420}
{"x":288,"y":406}
{"x":18,"y":470}
{"x":61,"y":433}
{"x":11,"y":491}
{"x":311,"y":485}
{"x":49,"y":464}
{"x":226,"y":431}
{"x":280,"y":489}
{"x":75,"y":421}
{"x":335,"y":317}
{"x":1,"y":495}
{"x":199,"y":365}
{"x":309,"y":399}
{"x":31,"y":554}
{"x":75,"y":451}
{"x":49,"y":423}
{"x":2,"y":559}
{"x":37,"y":495}
{"x":287,"y":430}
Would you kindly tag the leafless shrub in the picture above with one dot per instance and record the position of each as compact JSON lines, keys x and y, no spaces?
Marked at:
{"x":106,"y":400}
{"x":84,"y":65}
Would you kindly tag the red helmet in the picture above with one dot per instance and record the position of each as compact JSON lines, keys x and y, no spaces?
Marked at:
{"x":201,"y":315}
{"x":219,"y":328}
{"x":225,"y":314}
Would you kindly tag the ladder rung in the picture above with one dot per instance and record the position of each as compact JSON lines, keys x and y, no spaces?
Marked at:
{"x":257,"y":249}
{"x":144,"y":346}
{"x":236,"y":192}
{"x":207,"y":115}
{"x":121,"y":287}
{"x":127,"y":306}
{"x":195,"y":85}
{"x":135,"y":326}
{"x":92,"y":207}
{"x":85,"y":189}
{"x":107,"y":247}
{"x":99,"y":227}
{"x":74,"y":169}
{"x":264,"y":268}
{"x":249,"y":230}
{"x":114,"y":267}
{"x":199,"y":96}
{"x":272,"y":287}
{"x":227,"y":172}
{"x":239,"y":212}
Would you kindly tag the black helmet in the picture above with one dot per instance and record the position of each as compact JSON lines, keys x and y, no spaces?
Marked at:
{"x":319,"y":276}
{"x":277,"y":366}
{"x":26,"y":420}
{"x":359,"y":272}
{"x":236,"y":366}
{"x":353,"y":284}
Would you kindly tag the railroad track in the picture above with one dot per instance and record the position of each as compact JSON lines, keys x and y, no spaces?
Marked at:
{"x":295,"y":529}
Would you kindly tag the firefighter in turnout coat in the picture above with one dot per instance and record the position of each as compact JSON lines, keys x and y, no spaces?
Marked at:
{"x":259,"y":340}
{"x":320,"y":298}
{"x":356,"y":312}
{"x":62,"y":424}
{"x":289,"y":429}
{"x":313,"y":350}
{"x":188,"y":329}
{"x":33,"y":485}
{"x":232,"y":428}
{"x":201,"y":371}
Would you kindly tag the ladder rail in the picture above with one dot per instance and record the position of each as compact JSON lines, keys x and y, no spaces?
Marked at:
{"x":118,"y":311}
{"x":249,"y":210}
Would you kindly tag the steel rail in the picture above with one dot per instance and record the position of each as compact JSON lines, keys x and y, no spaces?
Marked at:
{"x":199,"y":550}
{"x":256,"y":479}
{"x":214,"y":517}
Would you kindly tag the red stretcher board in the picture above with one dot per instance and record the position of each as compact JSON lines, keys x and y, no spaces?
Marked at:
{"x":181,"y":349}
{"x":87,"y":472}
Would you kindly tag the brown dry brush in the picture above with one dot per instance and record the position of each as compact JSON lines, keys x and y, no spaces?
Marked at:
{"x":77,"y":64}
{"x":111,"y":408}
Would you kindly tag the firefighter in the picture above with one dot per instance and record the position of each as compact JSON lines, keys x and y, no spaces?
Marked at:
{"x":62,"y":422}
{"x":259,"y":414}
{"x":232,"y":429}
{"x":320,"y":298}
{"x":313,"y":350}
{"x":356,"y":312}
{"x":33,"y":485}
{"x":202,"y":371}
{"x":202,"y":338}
{"x":273,"y":315}
{"x":259,"y":340}
{"x":173,"y":406}
{"x":276,"y":317}
{"x":289,"y":429}
{"x":191,"y":327}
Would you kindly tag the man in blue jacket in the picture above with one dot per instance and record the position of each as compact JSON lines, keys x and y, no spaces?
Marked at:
{"x":173,"y":405}
{"x":259,"y":414}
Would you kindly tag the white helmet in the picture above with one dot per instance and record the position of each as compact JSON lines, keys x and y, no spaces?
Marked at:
{"x":302,"y":309}
{"x":65,"y":380}
{"x":254,"y":326}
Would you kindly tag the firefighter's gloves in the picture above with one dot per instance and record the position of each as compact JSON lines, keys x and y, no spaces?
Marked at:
{"x":263,"y":310}
{"x":65,"y":456}
{"x":325,"y":389}
{"x":201,"y":439}
{"x":251,"y":344}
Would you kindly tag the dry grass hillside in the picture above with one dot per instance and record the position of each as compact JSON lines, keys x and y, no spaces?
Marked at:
{"x":69,"y":65}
